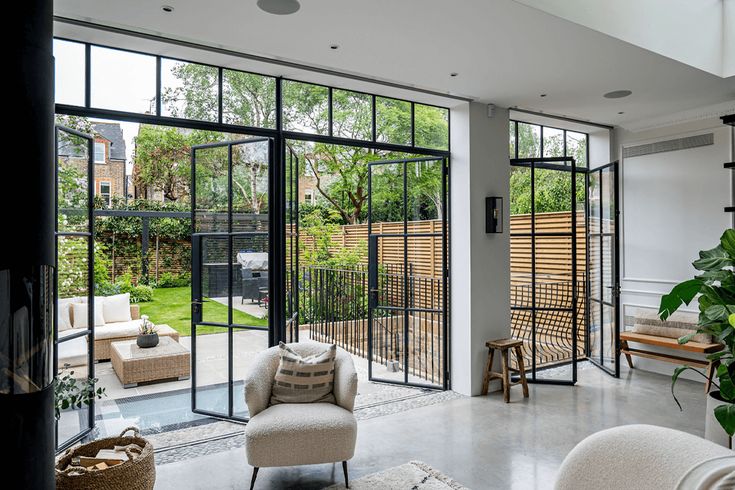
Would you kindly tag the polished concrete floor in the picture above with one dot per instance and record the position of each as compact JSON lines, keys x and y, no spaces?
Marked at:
{"x":480,"y":442}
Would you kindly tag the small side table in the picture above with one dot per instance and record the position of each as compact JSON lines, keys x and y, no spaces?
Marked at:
{"x":504,"y":345}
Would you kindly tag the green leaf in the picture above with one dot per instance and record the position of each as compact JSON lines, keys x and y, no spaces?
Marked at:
{"x":686,"y":338}
{"x":717,"y":312}
{"x":727,"y":242}
{"x":731,"y":319}
{"x":718,"y":355}
{"x":725,"y":415}
{"x":682,"y":293}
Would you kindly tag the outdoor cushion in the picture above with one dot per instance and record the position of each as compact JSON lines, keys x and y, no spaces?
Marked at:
{"x":126,"y":329}
{"x":297,"y":433}
{"x":662,"y":330}
{"x":72,"y":352}
{"x":79,"y":314}
{"x":116,"y":308}
{"x":679,"y":319}
{"x":307,"y":379}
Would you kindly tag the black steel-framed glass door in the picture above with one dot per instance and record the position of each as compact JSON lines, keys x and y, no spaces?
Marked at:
{"x":292,"y":237}
{"x":407,"y":300}
{"x":603,"y":268}
{"x":74,"y":275}
{"x":545,"y":299}
{"x":232,"y":256}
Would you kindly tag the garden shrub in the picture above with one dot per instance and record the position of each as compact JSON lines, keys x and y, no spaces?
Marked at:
{"x":171,"y":280}
{"x":141,"y":294}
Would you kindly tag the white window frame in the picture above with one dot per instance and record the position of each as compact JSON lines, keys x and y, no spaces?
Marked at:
{"x":104,"y":152}
{"x":108,"y":183}
{"x":309,"y":196}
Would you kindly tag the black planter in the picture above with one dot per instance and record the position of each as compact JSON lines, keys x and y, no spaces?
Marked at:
{"x":147,"y":341}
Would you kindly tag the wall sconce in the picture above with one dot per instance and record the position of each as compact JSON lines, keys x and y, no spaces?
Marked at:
{"x":493,"y":215}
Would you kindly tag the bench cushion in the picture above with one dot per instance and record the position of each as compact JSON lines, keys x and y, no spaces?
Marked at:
{"x":670,"y":332}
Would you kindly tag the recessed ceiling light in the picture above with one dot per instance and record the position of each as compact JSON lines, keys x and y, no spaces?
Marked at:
{"x":617,"y":94}
{"x":279,"y":7}
{"x":453,"y":74}
{"x":167,"y":8}
{"x":621,"y":112}
{"x":542,"y":95}
{"x":334,"y":46}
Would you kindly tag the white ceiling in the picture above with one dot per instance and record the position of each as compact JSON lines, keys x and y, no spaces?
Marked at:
{"x":696,"y":33}
{"x":505,"y":52}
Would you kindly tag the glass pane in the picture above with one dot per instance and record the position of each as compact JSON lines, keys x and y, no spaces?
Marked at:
{"x":529,"y":140}
{"x":69,"y":72}
{"x":305,"y":107}
{"x":387,"y":193}
{"x":246,"y":345}
{"x":248,"y":99}
{"x":352,"y":115}
{"x":123,"y":81}
{"x":388,"y":345}
{"x":577,"y":147}
{"x":211,"y":367}
{"x":73,"y":267}
{"x":251,"y":293}
{"x":211,"y":189}
{"x":553,"y":342}
{"x":73,"y":364}
{"x":393,"y":121}
{"x":595,"y":268}
{"x":431,"y":126}
{"x":608,"y":337}
{"x":425,"y":338}
{"x":553,"y":272}
{"x":214,"y":278}
{"x":424,"y":187}
{"x":189,"y":90}
{"x":595,"y":211}
{"x":520,"y":198}
{"x":553,"y":200}
{"x":73,"y":166}
{"x":424,"y":271}
{"x":249,"y":186}
{"x":595,"y":330}
{"x":553,"y":142}
{"x":607,"y":260}
{"x":512,"y":139}
{"x":607,"y":203}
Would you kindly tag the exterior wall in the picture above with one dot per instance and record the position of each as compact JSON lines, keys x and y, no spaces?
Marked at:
{"x":112,"y":171}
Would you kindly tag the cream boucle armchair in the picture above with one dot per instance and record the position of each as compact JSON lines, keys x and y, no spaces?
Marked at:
{"x":293,"y":434}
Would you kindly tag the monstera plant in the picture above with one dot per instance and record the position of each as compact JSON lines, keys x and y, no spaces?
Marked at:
{"x":715,"y":289}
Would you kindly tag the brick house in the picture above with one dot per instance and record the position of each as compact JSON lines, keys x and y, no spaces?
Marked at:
{"x":110,"y":179}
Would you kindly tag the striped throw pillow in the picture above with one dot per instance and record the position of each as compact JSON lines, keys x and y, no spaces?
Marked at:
{"x":304,"y":379}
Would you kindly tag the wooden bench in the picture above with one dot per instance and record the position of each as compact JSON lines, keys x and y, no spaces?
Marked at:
{"x":695,"y":347}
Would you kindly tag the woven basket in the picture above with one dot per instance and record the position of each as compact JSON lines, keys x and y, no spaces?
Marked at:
{"x":138,"y":473}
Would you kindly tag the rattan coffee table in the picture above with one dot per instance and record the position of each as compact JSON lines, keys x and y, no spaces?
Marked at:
{"x":168,"y":360}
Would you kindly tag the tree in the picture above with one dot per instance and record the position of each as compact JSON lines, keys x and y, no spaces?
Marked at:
{"x":161,"y":160}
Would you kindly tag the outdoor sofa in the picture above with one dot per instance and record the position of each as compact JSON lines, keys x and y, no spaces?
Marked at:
{"x":115,"y":320}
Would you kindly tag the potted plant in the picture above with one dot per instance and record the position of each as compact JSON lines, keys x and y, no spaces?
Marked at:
{"x":715,"y":289}
{"x":70,"y":392}
{"x":147,"y":334}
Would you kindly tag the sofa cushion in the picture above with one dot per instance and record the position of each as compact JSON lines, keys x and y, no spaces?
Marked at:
{"x":79,"y":314}
{"x":126,"y":329}
{"x":304,"y":379}
{"x":62,"y":313}
{"x":295,"y":434}
{"x":116,"y":308}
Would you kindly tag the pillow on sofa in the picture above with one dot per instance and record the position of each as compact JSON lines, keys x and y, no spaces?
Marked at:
{"x":304,"y":379}
{"x":116,"y":308}
{"x":62,"y":314}
{"x":79,"y":314}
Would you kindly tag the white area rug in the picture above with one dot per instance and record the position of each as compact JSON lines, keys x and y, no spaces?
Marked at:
{"x":414,"y":476}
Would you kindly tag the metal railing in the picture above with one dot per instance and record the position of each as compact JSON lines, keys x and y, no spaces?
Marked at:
{"x":334,"y":303}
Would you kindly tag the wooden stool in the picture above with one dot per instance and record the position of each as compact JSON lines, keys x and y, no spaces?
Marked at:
{"x":504,"y":345}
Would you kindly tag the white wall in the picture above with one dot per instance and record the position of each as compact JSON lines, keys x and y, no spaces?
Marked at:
{"x":672,"y":207}
{"x":479,"y":262}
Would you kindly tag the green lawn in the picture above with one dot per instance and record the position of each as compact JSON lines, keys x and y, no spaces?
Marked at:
{"x":172,"y":306}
